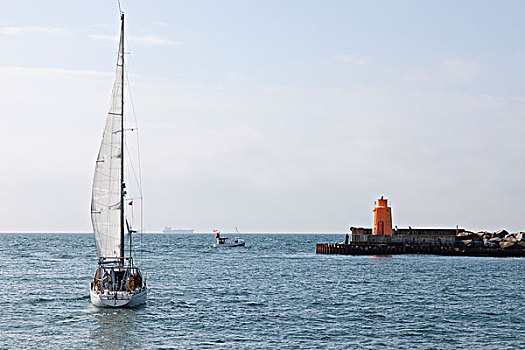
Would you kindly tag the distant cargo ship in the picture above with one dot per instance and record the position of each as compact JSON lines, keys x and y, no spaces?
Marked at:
{"x":168,"y":229}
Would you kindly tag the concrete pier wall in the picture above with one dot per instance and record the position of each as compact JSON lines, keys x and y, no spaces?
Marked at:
{"x":451,"y":249}
{"x":437,"y":236}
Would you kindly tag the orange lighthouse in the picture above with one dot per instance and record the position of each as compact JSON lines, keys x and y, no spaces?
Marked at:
{"x":382,"y":218}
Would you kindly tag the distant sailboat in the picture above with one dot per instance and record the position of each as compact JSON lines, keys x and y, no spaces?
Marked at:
{"x":117,"y":281}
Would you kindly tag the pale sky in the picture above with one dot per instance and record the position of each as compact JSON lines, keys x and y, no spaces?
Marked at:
{"x":272,"y":116}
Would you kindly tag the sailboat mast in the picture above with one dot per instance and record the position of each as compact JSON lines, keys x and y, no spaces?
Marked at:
{"x":123,"y":185}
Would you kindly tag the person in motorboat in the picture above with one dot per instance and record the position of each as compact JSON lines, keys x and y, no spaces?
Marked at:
{"x":220,"y":240}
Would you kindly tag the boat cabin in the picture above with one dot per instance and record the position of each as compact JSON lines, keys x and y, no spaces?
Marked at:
{"x":221,"y":240}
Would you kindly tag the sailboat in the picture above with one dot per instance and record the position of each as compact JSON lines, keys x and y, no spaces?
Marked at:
{"x":117,"y":281}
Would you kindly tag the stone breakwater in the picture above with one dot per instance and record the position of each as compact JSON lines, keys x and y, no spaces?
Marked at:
{"x":497,"y":244}
{"x":491,"y":240}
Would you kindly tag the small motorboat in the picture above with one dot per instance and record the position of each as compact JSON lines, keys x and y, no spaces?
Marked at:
{"x":222,"y":241}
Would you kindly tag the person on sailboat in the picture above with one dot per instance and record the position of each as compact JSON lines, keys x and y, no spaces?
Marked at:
{"x":105,"y":280}
{"x":131,"y":283}
{"x":137,"y":279}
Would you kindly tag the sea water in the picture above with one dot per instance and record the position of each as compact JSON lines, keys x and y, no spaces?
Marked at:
{"x":275,"y":293}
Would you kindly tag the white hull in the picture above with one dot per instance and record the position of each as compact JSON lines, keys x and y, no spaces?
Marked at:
{"x":118,"y":299}
{"x":228,"y":245}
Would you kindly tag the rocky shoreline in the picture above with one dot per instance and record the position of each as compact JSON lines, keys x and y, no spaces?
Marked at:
{"x":491,"y":240}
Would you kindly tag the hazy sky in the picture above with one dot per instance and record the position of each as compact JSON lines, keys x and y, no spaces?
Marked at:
{"x":286,"y":116}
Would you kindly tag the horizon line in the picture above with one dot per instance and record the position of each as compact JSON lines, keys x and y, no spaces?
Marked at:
{"x":161,"y":233}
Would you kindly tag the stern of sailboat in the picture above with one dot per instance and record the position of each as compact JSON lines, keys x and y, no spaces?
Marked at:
{"x":116,"y":285}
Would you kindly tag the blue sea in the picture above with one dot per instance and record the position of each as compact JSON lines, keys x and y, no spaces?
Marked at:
{"x":275,"y":293}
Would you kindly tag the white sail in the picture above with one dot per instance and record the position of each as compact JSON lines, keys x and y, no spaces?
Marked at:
{"x":106,"y":197}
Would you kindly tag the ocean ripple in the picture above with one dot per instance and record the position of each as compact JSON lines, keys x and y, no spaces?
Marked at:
{"x":274,"y":294}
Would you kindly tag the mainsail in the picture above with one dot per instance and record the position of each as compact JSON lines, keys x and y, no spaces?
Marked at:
{"x":107,"y":193}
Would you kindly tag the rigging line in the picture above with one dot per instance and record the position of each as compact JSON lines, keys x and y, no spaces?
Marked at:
{"x":141,"y":198}
{"x":136,"y":125}
{"x":141,"y":228}
{"x":139,"y":180}
{"x":132,"y":219}
{"x":132,"y":104}
{"x":119,"y":8}
{"x":141,"y":251}
{"x":130,"y":162}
